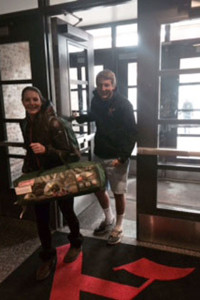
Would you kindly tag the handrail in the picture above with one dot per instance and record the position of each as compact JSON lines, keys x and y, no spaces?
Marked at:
{"x":166,"y":152}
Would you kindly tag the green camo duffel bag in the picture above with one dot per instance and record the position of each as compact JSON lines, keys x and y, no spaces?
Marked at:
{"x":74,"y":179}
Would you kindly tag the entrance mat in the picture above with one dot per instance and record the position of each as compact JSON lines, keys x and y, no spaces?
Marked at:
{"x":121,"y":272}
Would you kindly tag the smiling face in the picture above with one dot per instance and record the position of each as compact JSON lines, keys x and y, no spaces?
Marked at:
{"x":32,"y":102}
{"x":105,"y":88}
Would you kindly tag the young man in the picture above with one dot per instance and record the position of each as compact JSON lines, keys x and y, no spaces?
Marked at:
{"x":114,"y":142}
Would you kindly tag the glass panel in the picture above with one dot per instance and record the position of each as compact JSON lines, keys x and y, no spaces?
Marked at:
{"x":126,"y":35}
{"x":97,"y":69}
{"x":84,"y":99}
{"x":85,"y":128}
{"x":16,"y":150}
{"x":168,"y":107}
{"x":102,"y":37}
{"x":178,"y":137}
{"x":12,"y":101}
{"x":189,"y":104}
{"x":73,"y":74}
{"x":74,"y":101}
{"x":189,"y":78}
{"x":190,"y":63}
{"x":178,"y":102}
{"x":14,"y":133}
{"x":15,"y":168}
{"x":76,"y":127}
{"x":83,"y":74}
{"x":132,"y":97}
{"x":132,"y":74}
{"x":77,"y":72}
{"x":185,"y":30}
{"x":178,"y":190}
{"x":191,"y":129}
{"x":188,"y":143}
{"x":15,"y":61}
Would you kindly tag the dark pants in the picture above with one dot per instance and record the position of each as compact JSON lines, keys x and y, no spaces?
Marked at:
{"x":42,"y":212}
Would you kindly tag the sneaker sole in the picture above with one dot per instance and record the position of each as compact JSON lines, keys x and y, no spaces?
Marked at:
{"x":115,"y":242}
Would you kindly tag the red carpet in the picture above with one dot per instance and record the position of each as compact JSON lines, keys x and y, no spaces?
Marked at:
{"x":105,"y":272}
{"x":69,"y":280}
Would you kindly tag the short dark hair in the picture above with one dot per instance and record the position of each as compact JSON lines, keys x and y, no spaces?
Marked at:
{"x":108,"y":75}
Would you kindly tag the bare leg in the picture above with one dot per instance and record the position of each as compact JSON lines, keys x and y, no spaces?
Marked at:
{"x":104,"y":201}
{"x":120,"y":203}
{"x":103,"y":198}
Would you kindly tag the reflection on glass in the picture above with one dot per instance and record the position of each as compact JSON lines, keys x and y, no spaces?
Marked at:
{"x":14,"y":132}
{"x":15,"y":168}
{"x":126,"y":35}
{"x":15,"y":61}
{"x":174,"y":192}
{"x":12,"y":101}
{"x":168,"y":98}
{"x":179,"y":101}
{"x":188,"y":102}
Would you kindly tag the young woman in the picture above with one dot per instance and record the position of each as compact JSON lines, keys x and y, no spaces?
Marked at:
{"x":47,"y":146}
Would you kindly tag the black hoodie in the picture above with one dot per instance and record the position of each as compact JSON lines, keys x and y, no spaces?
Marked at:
{"x":115,"y":126}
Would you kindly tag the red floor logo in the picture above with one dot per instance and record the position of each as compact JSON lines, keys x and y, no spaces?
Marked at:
{"x":69,"y":280}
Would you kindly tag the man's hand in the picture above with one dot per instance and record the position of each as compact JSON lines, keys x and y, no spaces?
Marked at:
{"x":38,"y":148}
{"x":115,"y":163}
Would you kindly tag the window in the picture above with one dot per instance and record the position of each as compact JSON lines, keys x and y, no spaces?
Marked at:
{"x":132,"y":82}
{"x":181,"y":30}
{"x":102,"y":37}
{"x":126,"y":35}
{"x":15,"y":67}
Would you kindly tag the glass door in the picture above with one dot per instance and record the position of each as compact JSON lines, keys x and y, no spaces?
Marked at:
{"x":169,"y":162}
{"x":74,"y":76}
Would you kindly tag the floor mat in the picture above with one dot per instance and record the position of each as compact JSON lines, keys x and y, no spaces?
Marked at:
{"x":107,"y":272}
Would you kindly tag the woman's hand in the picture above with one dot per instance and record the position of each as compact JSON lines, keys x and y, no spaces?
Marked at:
{"x":38,"y":148}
